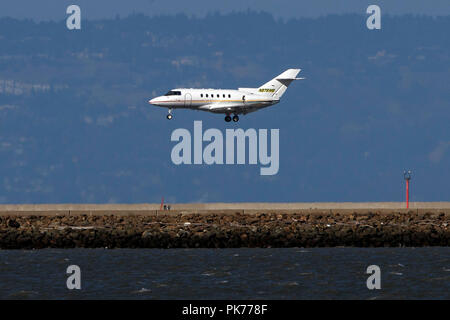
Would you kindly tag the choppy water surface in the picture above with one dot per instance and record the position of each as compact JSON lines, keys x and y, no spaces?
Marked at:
{"x":294,"y":273}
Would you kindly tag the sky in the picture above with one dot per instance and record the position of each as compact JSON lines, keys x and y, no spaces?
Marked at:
{"x":93,"y":9}
{"x":374,"y":102}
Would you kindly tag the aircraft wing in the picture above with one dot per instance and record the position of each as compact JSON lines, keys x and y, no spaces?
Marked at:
{"x":227,"y":108}
{"x":221,"y":107}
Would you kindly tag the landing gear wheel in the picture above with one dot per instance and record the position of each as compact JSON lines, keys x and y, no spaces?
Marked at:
{"x":235,"y":118}
{"x":169,"y":116}
{"x":227,"y":118}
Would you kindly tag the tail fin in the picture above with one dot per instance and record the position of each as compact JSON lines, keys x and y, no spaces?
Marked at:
{"x":278,"y":85}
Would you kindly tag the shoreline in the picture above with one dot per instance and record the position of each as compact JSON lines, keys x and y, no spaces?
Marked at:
{"x":227,"y":228}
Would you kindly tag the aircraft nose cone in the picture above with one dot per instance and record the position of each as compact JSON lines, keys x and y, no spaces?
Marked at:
{"x":151,"y":101}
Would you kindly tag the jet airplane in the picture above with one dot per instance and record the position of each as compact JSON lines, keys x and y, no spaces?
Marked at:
{"x":240,"y":101}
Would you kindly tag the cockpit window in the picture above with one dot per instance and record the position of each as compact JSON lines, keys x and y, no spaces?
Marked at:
{"x":173,"y":93}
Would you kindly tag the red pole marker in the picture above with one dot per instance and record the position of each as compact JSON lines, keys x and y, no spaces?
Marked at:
{"x":407,"y":194}
{"x":407,"y":176}
{"x":162,"y":203}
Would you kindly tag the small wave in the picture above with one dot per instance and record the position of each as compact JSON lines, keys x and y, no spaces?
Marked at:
{"x":23,"y":294}
{"x":289,"y":268}
{"x":439,"y":279}
{"x":142,"y":290}
{"x":162,"y":285}
{"x":396,"y":273}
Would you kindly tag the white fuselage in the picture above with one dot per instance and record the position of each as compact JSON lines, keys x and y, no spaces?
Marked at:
{"x":214,"y":100}
{"x":240,"y":101}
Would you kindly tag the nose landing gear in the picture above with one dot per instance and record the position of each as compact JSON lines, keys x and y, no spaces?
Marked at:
{"x":169,"y":116}
{"x":227,"y":118}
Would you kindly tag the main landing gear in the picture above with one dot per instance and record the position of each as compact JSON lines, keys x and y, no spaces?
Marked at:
{"x":169,"y":116}
{"x":235,"y":118}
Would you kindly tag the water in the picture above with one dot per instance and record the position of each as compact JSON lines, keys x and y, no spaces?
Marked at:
{"x":246,"y":273}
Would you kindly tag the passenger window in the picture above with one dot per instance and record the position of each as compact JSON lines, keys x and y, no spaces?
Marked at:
{"x":224,"y":96}
{"x":229,"y":96}
{"x":218,"y":96}
{"x":207,"y":95}
{"x":201,"y":95}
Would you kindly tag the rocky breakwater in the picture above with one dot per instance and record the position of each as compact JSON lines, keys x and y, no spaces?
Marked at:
{"x":220,"y":230}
